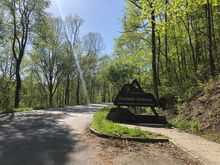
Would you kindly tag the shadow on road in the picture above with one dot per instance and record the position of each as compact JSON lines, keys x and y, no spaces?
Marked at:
{"x":83,"y":109}
{"x":37,"y":140}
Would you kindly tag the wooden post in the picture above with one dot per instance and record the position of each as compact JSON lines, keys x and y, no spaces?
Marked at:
{"x":154,"y":111}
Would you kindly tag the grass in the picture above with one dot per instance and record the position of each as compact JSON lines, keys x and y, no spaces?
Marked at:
{"x":181,"y":123}
{"x":15,"y":110}
{"x":102,"y":125}
{"x":211,"y":136}
{"x":193,"y":127}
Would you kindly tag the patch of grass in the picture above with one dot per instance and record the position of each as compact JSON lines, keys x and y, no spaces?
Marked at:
{"x":102,"y":125}
{"x":15,"y":110}
{"x":181,"y":123}
{"x":211,"y":136}
{"x":193,"y":127}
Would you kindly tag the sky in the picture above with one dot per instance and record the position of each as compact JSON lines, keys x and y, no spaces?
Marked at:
{"x":102,"y":16}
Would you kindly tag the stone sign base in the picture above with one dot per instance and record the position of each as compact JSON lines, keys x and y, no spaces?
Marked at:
{"x":124,"y":115}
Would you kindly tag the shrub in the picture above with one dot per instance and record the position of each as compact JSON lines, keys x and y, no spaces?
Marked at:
{"x":182,"y":123}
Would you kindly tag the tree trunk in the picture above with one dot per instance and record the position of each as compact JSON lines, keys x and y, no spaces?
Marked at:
{"x":91,"y":91}
{"x":154,"y":62}
{"x":78,"y":89}
{"x":209,"y":32}
{"x":197,"y":48}
{"x":18,"y":84}
{"x":50,"y":96}
{"x":158,"y":61}
{"x":104,"y":92}
{"x":67,"y":91}
{"x":50,"y":99}
{"x":178,"y":58}
{"x":166,"y":39}
{"x":214,"y":38}
{"x":191,"y":44}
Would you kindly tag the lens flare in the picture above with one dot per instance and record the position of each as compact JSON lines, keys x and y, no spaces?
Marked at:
{"x":75,"y":55}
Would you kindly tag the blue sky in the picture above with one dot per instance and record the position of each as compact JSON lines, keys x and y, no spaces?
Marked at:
{"x":102,"y":16}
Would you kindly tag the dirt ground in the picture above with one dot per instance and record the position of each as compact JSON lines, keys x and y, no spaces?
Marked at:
{"x":117,"y":152}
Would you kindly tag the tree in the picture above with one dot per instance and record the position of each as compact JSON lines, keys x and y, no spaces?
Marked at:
{"x":73,"y":25}
{"x":6,"y":78}
{"x":49,"y":60}
{"x":210,"y":36}
{"x":182,"y":36}
{"x":23,"y":15}
{"x":92,"y":45}
{"x":154,"y":59}
{"x":119,"y":74}
{"x":151,"y":7}
{"x":105,"y":87}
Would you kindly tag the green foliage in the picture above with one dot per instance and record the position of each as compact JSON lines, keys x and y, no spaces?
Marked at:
{"x":211,"y":136}
{"x":102,"y":125}
{"x":181,"y":34}
{"x":119,"y":73}
{"x":15,"y":110}
{"x":181,"y":122}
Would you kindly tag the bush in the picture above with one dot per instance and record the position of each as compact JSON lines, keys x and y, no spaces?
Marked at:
{"x":182,"y":123}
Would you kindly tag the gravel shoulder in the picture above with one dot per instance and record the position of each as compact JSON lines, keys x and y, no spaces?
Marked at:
{"x":117,"y":152}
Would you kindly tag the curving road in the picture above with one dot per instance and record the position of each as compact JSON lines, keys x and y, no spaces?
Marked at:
{"x":47,"y":137}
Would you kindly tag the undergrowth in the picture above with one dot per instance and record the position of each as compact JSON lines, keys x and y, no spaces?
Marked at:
{"x":15,"y":110}
{"x":181,"y":123}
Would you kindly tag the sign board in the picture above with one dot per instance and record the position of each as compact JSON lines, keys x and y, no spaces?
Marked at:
{"x":133,"y":95}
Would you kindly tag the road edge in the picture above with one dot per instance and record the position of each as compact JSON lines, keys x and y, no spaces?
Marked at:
{"x":142,"y":140}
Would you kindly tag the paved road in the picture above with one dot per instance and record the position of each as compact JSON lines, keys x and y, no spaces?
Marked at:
{"x":46,"y":137}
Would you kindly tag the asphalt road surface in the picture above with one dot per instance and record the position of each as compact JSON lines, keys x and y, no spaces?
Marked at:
{"x":46,"y":137}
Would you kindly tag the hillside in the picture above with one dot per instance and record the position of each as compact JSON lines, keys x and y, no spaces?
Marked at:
{"x":203,"y":110}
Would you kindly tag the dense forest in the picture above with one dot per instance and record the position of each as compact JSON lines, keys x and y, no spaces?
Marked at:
{"x":171,"y":47}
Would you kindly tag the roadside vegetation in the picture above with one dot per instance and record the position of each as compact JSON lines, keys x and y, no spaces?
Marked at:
{"x":102,"y":125}
{"x":15,"y":110}
{"x":181,"y":123}
{"x":193,"y":126}
{"x":200,"y":113}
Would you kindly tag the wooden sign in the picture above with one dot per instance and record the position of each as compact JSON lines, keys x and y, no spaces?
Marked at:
{"x":133,"y":95}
